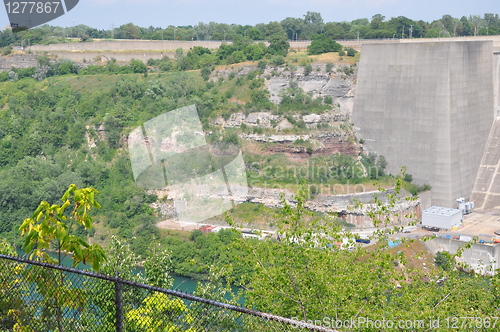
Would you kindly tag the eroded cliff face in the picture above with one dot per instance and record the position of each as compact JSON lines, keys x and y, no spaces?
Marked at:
{"x":327,"y":133}
{"x":337,"y":82}
{"x":330,"y":132}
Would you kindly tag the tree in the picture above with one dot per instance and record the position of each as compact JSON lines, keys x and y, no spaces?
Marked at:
{"x":377,"y":22}
{"x":255,"y":51}
{"x":313,"y":23}
{"x":138,"y":66}
{"x":351,"y":51}
{"x":293,"y":27}
{"x":445,"y":261}
{"x":274,"y":28}
{"x":466,"y":27}
{"x":130,"y":31}
{"x":322,"y":44}
{"x":66,"y":66}
{"x":278,"y":45}
{"x":48,"y":229}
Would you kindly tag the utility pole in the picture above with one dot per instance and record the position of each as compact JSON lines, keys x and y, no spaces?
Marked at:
{"x":112,"y":31}
{"x":411,"y":31}
{"x":403,"y":33}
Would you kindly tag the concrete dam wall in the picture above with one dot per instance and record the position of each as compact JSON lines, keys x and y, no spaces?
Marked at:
{"x":429,"y":107}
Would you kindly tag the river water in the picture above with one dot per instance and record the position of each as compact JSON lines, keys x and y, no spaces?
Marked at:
{"x":183,"y":284}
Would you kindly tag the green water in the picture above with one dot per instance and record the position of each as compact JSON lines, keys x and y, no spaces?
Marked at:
{"x":183,"y":284}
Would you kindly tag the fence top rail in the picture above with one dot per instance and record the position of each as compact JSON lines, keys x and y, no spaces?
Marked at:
{"x":185,"y":296}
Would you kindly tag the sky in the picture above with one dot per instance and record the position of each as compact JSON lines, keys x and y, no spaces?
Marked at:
{"x":103,"y":14}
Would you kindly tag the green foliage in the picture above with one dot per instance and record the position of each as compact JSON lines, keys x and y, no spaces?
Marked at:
{"x":160,"y":306}
{"x":307,"y":70}
{"x":351,"y":51}
{"x":415,"y":189}
{"x":322,"y":44}
{"x":47,"y":228}
{"x":295,"y":99}
{"x":65,"y":66}
{"x":195,"y":256}
{"x":277,"y":60}
{"x":278,"y":44}
{"x":374,"y":165}
{"x":138,"y":66}
{"x":123,"y":262}
{"x":262,"y":64}
{"x":445,"y":261}
{"x":205,"y":73}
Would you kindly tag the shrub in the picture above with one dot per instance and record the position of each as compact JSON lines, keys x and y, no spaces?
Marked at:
{"x":262,"y":64}
{"x":138,"y":66}
{"x":277,"y":60}
{"x":351,"y":51}
{"x":322,"y":44}
{"x":307,"y":70}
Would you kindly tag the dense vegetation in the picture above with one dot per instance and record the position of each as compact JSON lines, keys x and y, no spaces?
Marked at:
{"x":69,"y":127}
{"x":299,"y":274}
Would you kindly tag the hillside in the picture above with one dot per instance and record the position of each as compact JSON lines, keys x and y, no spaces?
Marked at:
{"x":290,"y":119}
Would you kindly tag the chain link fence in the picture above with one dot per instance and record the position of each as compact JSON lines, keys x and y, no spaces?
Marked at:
{"x":36,"y":296}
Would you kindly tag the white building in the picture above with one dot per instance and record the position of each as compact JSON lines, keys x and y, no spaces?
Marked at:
{"x":441,"y":217}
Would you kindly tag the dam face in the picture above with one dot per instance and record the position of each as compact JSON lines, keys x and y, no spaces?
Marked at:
{"x":429,"y":107}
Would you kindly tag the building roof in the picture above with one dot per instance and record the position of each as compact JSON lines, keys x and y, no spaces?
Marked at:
{"x":442,"y":211}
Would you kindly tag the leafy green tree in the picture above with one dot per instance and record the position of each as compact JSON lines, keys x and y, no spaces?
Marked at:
{"x":129,"y":31}
{"x":255,"y":51}
{"x":322,"y":44}
{"x":138,"y":66}
{"x":351,"y":51}
{"x":50,"y":229}
{"x":159,"y":313}
{"x":313,"y":23}
{"x":293,"y":27}
{"x":123,"y":262}
{"x":445,"y":261}
{"x":278,"y":44}
{"x":47,"y":229}
{"x":255,"y":34}
{"x":66,"y":66}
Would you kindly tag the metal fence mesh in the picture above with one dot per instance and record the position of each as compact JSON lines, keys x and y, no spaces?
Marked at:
{"x":37,"y":296}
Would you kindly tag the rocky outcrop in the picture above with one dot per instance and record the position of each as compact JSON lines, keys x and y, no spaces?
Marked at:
{"x":17,"y":60}
{"x":279,"y":122}
{"x":336,"y":84}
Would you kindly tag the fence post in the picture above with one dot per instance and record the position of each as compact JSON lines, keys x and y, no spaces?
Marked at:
{"x":118,"y":304}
